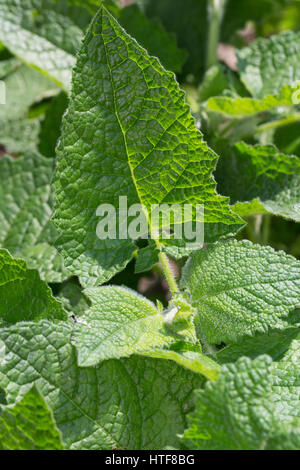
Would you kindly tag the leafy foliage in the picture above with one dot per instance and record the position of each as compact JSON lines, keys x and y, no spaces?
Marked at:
{"x":125,"y":396}
{"x":28,"y":425}
{"x":264,"y":76}
{"x":149,"y":342}
{"x":126,"y":324}
{"x":142,"y":151}
{"x":55,"y":26}
{"x":239,"y":412}
{"x":239,"y":288}
{"x":262,"y":173}
{"x":25,"y":210}
{"x":23,"y":295}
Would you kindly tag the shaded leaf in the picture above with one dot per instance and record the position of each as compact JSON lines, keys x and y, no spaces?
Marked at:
{"x":23,"y":296}
{"x":248,"y":173}
{"x":117,"y":404}
{"x":151,"y":151}
{"x":25,"y":210}
{"x":28,"y":425}
{"x":267,"y":65}
{"x":238,"y":412}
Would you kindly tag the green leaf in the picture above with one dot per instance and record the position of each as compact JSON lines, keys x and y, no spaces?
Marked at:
{"x":214,"y":83}
{"x":152,"y":151}
{"x":119,"y":323}
{"x":189,"y":358}
{"x":274,"y":343}
{"x":238,"y":412}
{"x":20,"y":136}
{"x":286,"y":135}
{"x":28,"y":425}
{"x":51,"y":125}
{"x":117,"y":404}
{"x":151,"y":34}
{"x":45,"y":33}
{"x":147,"y":258}
{"x":73,"y":299}
{"x":7,"y":66}
{"x":188,"y":21}
{"x":286,"y":383}
{"x":239,"y":288}
{"x":25,"y":210}
{"x":240,"y":107}
{"x":247,"y":173}
{"x":46,"y":260}
{"x":23,"y":296}
{"x":269,"y":64}
{"x":238,"y":14}
{"x":24,"y":87}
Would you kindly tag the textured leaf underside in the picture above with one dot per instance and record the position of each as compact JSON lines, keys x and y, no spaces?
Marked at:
{"x":117,"y":404}
{"x":248,"y":173}
{"x":239,"y":288}
{"x":119,"y":323}
{"x":238,"y":412}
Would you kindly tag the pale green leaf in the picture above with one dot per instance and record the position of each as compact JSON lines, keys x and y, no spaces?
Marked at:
{"x":23,"y":296}
{"x":191,"y":359}
{"x":20,"y":136}
{"x":127,"y":131}
{"x":119,"y":323}
{"x":24,"y":87}
{"x":7,"y":66}
{"x":117,"y":404}
{"x":28,"y":425}
{"x":239,"y":106}
{"x":45,"y":258}
{"x":267,"y":65}
{"x":286,"y":383}
{"x":239,"y":288}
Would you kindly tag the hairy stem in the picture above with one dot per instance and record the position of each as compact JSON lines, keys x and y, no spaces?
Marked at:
{"x":167,"y":270}
{"x":216,"y":10}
